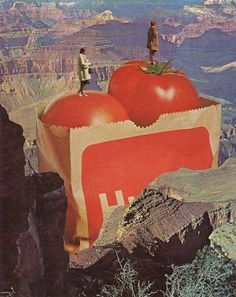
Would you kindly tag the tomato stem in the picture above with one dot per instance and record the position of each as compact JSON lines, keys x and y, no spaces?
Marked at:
{"x":158,"y":69}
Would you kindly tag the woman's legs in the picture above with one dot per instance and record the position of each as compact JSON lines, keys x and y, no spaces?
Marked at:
{"x":81,"y":90}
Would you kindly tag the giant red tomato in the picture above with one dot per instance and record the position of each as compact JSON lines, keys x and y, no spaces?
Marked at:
{"x":75,"y":111}
{"x":146,"y":96}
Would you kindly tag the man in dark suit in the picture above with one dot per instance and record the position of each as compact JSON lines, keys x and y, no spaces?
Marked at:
{"x":152,"y":43}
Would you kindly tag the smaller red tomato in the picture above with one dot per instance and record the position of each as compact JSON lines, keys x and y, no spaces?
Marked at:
{"x":75,"y":111}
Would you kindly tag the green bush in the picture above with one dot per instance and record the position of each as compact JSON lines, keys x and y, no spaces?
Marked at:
{"x":8,"y":293}
{"x":209,"y":275}
{"x":127,"y":283}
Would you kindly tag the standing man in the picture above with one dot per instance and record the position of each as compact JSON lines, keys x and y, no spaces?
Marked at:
{"x":83,"y":71}
{"x":152,"y":43}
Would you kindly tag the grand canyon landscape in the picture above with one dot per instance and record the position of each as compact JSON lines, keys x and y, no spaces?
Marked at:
{"x":177,"y":214}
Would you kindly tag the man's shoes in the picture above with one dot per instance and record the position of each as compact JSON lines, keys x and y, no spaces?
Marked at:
{"x":85,"y":95}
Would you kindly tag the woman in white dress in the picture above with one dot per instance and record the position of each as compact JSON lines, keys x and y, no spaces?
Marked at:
{"x":83,"y":71}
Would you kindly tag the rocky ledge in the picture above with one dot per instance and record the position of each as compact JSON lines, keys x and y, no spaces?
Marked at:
{"x":224,"y":238}
{"x":212,"y":185}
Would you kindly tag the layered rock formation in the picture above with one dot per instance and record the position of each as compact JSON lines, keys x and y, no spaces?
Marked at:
{"x":44,"y":65}
{"x":20,"y":90}
{"x":42,"y":261}
{"x":204,"y":18}
{"x":219,"y":2}
{"x":213,"y":185}
{"x":198,"y":29}
{"x":27,"y":27}
{"x":32,"y":219}
{"x":228,"y":133}
{"x":13,"y":205}
{"x":227,"y":143}
{"x":163,"y":227}
{"x":48,"y":12}
{"x":41,"y":65}
{"x":104,"y":17}
{"x":50,"y":70}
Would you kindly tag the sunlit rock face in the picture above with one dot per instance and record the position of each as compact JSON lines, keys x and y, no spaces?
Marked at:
{"x":222,"y":2}
{"x":224,"y":239}
{"x":166,"y":228}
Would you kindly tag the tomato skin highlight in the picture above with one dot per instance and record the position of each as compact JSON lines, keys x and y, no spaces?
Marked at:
{"x":75,"y":111}
{"x":146,"y":96}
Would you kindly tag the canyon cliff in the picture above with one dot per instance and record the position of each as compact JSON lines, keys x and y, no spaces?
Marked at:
{"x":32,"y":214}
{"x":13,"y":205}
{"x":202,"y":19}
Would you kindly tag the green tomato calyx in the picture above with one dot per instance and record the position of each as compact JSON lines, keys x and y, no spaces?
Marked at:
{"x":158,"y":69}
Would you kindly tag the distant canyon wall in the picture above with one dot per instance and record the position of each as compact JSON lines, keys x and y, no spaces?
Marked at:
{"x":26,"y":81}
{"x":56,"y":65}
{"x":52,"y":65}
{"x":197,"y":29}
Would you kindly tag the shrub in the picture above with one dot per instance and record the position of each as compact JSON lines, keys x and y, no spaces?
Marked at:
{"x":127,"y":283}
{"x":209,"y":275}
{"x":8,"y":293}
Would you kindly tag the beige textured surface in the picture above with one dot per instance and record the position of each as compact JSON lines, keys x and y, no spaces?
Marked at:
{"x":212,"y":185}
